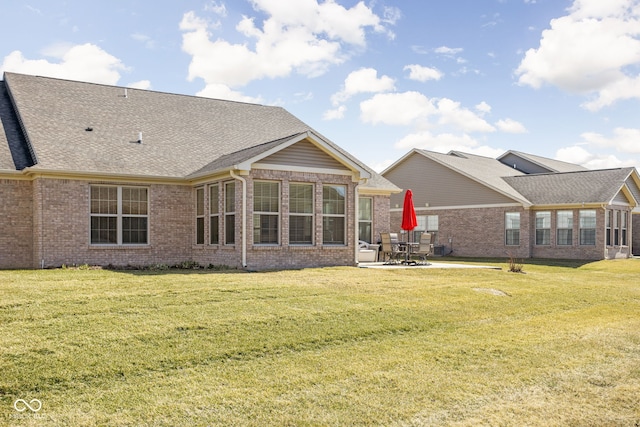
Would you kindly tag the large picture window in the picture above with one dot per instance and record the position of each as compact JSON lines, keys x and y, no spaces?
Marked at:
{"x":266,"y":212}
{"x":543,"y":228}
{"x":587,"y":227}
{"x":300,"y":214}
{"x":119,"y":215}
{"x":334,"y":215}
{"x":564,"y":226}
{"x":512,"y":228}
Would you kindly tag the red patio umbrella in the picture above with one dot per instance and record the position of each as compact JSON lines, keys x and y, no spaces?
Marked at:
{"x":409,"y":220}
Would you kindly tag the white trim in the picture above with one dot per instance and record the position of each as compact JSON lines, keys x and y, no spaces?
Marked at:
{"x":303,"y":169}
{"x":439,"y":208}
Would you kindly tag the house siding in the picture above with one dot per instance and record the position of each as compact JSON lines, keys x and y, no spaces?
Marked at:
{"x":439,"y":185}
{"x":635,"y":233}
{"x":16,"y":227}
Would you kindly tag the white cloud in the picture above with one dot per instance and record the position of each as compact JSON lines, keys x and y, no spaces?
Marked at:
{"x":415,"y":109}
{"x":510,"y":126}
{"x":218,"y":8}
{"x":451,"y":113}
{"x":577,"y":154}
{"x":594,"y":50}
{"x":396,"y":108}
{"x":335,"y":114}
{"x":624,"y":140}
{"x":449,"y":51}
{"x":142,"y":84}
{"x":302,"y":37}
{"x":364,"y":80}
{"x":446,"y":142}
{"x":220,"y":91}
{"x":483,"y":108}
{"x":422,"y":74}
{"x":86,"y":62}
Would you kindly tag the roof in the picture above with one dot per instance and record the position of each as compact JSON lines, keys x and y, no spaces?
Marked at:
{"x":14,"y":152}
{"x":91,"y":128}
{"x":588,"y":187}
{"x":549,"y":165}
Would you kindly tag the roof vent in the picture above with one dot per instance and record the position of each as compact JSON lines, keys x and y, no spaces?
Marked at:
{"x":89,"y":129}
{"x":139,"y":137}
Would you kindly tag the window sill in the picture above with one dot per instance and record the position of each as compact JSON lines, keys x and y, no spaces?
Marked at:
{"x":118,"y":247}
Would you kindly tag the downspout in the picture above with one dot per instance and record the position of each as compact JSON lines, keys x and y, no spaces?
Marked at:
{"x":357,"y":223}
{"x":244,"y":216}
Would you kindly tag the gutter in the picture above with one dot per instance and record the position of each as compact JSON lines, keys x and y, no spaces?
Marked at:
{"x":244,"y":216}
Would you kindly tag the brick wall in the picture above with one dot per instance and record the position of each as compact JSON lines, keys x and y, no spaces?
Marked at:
{"x":16,"y":227}
{"x":475,"y":232}
{"x":62,"y":226}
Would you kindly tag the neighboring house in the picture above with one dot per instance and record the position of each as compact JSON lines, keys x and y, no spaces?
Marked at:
{"x":519,"y":205}
{"x":99,"y":175}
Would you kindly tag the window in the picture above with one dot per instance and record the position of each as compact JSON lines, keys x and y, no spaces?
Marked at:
{"x":426,"y":224}
{"x":300,"y":214}
{"x":266,"y":212}
{"x":564,"y":226}
{"x":623,"y":228}
{"x":543,"y":228}
{"x":214,"y":214}
{"x":334,"y":214}
{"x":587,"y":227}
{"x":119,"y":215}
{"x":230,"y":213}
{"x":616,"y":228}
{"x":199,"y":216}
{"x":512,"y":228}
{"x":365,"y":219}
{"x":608,"y":222}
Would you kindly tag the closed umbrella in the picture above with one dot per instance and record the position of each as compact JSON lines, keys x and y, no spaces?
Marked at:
{"x":409,"y":220}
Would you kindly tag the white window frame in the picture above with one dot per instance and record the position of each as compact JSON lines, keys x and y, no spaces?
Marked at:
{"x":543,"y":228}
{"x":200,"y":231}
{"x":334,"y":215}
{"x":510,"y":230}
{"x":214,"y":214}
{"x":310,"y":214}
{"x":259,"y":214}
{"x":561,"y":226}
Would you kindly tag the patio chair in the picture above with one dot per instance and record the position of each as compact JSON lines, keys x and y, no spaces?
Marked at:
{"x":390,"y":248}
{"x":425,"y":249}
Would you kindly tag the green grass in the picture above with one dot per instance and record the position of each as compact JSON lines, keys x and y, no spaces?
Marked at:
{"x":557,"y":346}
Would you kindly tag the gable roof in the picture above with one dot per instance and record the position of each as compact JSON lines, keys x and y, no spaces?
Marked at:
{"x":530,"y":163}
{"x":573,"y":188}
{"x":98,"y":129}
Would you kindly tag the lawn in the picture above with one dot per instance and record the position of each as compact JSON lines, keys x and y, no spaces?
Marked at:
{"x":556,"y":346}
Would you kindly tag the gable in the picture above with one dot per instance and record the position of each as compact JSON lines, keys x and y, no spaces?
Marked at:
{"x":621,"y":199}
{"x":437,"y":185}
{"x":303,"y":154}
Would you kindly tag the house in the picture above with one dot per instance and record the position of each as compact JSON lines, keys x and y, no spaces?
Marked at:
{"x":103,"y":175}
{"x":519,"y":205}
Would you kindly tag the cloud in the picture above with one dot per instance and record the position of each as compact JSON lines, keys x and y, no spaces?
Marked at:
{"x":578,"y":155}
{"x":624,"y":140}
{"x":147,"y":41}
{"x":396,"y":108}
{"x":415,"y":109}
{"x":510,"y":126}
{"x":220,"y":91}
{"x":142,"y":84}
{"x":335,"y":114}
{"x":446,"y":142}
{"x":86,"y":62}
{"x":592,"y":51}
{"x":364,"y":80}
{"x":483,"y":108}
{"x":302,"y":37}
{"x":448,"y":51}
{"x":422,"y":74}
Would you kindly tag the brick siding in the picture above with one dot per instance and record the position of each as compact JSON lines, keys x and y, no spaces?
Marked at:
{"x":16,"y":227}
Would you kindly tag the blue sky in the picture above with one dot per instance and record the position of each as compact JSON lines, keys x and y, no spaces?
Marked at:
{"x":557,"y":78}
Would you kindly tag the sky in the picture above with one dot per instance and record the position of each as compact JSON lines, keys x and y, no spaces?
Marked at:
{"x":555,"y":78}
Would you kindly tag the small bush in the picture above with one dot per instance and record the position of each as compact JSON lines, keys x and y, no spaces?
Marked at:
{"x":515,"y":264}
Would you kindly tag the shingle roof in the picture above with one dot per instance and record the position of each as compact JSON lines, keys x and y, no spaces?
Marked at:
{"x":593,"y":186}
{"x":550,"y":164}
{"x":14,"y":152}
{"x":181,"y":134}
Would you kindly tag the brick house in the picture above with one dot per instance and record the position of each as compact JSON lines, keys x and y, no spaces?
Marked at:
{"x":519,"y":205}
{"x":95,"y":174}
